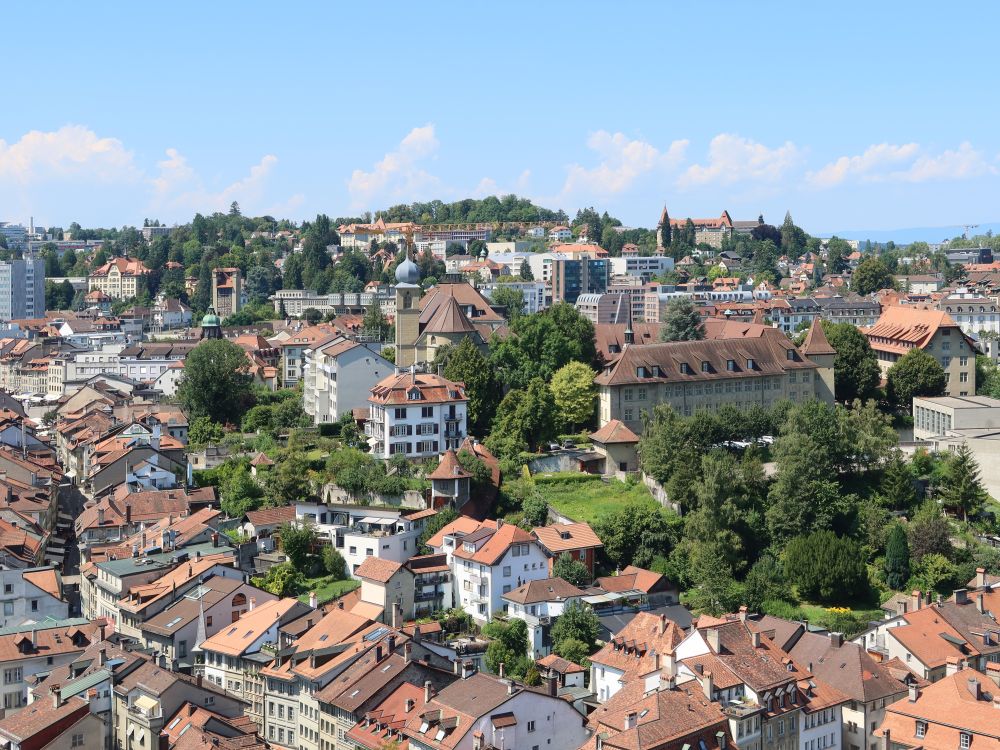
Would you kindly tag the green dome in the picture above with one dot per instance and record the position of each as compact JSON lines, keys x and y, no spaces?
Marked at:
{"x":210,"y":319}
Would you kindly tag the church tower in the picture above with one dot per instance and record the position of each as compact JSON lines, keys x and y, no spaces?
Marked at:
{"x":663,"y":229}
{"x":407,"y":312}
{"x":817,"y":348}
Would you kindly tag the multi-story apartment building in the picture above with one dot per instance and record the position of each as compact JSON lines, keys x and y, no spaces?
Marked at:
{"x":227,"y":289}
{"x":539,"y":603}
{"x":535,"y":293}
{"x":902,"y":328}
{"x":234,"y":656}
{"x":974,"y":313}
{"x":695,"y":376}
{"x":119,"y":278}
{"x":293,"y":343}
{"x":489,"y":562}
{"x":858,"y":311}
{"x":605,"y":308}
{"x":22,"y":289}
{"x":294,"y":302}
{"x":339,"y":376}
{"x":416,"y":414}
{"x":31,"y":594}
{"x":16,"y":235}
{"x":571,"y":277}
{"x":645,"y":267}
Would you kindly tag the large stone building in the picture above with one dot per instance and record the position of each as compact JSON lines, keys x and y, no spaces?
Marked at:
{"x":416,"y":414}
{"x":119,"y":278}
{"x":709,"y":231}
{"x":227,"y":289}
{"x":902,"y":328}
{"x":693,"y":376}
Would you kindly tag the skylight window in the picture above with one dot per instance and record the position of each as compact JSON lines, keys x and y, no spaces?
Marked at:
{"x":174,"y":622}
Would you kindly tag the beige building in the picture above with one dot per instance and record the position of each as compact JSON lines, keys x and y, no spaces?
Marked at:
{"x":902,"y":328}
{"x":226,"y":290}
{"x":693,"y":376}
{"x":120,"y":278}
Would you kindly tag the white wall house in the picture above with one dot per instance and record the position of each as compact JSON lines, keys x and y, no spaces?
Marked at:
{"x":339,"y":377}
{"x":416,"y":414}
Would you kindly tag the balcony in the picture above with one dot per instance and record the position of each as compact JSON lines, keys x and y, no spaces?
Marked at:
{"x":427,"y":596}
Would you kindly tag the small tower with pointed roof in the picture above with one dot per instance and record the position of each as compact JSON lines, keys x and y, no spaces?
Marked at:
{"x":817,"y":349}
{"x":407,"y":311}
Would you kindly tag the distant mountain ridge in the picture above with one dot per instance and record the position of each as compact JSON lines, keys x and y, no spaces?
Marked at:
{"x":915,"y":234}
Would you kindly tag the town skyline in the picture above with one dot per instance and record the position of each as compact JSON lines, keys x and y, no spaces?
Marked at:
{"x":760,"y":117}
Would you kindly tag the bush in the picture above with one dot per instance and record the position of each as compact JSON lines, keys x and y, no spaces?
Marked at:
{"x":334,"y":563}
{"x":826,"y":567}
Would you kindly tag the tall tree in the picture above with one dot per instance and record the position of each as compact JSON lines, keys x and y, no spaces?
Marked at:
{"x":375,"y":322}
{"x":897,"y":558}
{"x":466,"y":364}
{"x":573,"y":391}
{"x":963,"y":489}
{"x":682,"y":322}
{"x":525,"y":420}
{"x":871,"y":275}
{"x":216,"y":382}
{"x":855,"y":366}
{"x":917,"y":373}
{"x":525,"y":271}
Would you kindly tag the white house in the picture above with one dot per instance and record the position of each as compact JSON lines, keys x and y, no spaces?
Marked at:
{"x":31,"y":595}
{"x":539,"y":603}
{"x":417,"y":414}
{"x":339,"y":377}
{"x":492,"y":561}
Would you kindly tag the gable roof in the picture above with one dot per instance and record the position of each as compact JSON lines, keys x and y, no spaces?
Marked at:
{"x":565,"y":537}
{"x":378,"y":570}
{"x":543,"y":590}
{"x":902,"y":327}
{"x":614,"y":431}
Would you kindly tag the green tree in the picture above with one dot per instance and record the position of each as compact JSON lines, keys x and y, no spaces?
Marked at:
{"x":636,"y":534}
{"x":298,"y":542}
{"x":464,"y":363}
{"x":570,"y":570}
{"x":578,"y":621}
{"x":929,"y":532}
{"x":898,"y":485}
{"x":963,"y":489}
{"x":375,"y":323}
{"x":203,"y":431}
{"x":897,"y":559}
{"x":511,"y":299}
{"x":334,"y":563}
{"x":682,"y":322}
{"x":216,"y":383}
{"x":535,"y":509}
{"x":573,"y":392}
{"x":573,"y":650}
{"x":524,"y":420}
{"x":916,"y":373}
{"x":239,"y":492}
{"x":871,"y":275}
{"x":855,"y":366}
{"x":825,"y":567}
{"x":525,"y":271}
{"x":288,"y":482}
{"x":765,"y":582}
{"x":281,"y":580}
{"x":509,"y":647}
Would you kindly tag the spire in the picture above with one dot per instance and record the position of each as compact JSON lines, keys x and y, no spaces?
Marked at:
{"x":201,"y":633}
{"x":816,"y":342}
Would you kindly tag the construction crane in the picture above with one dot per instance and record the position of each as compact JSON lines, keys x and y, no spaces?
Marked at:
{"x":965,"y":234}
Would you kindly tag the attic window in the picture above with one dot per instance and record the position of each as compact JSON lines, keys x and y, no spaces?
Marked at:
{"x":413,"y":395}
{"x":640,"y":372}
{"x":731,"y":365}
{"x":706,"y":367}
{"x":685,"y":368}
{"x":790,"y":354}
{"x":750,"y":364}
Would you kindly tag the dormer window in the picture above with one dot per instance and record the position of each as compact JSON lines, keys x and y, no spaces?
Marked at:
{"x":413,"y":394}
{"x":750,"y":364}
{"x":964,"y":740}
{"x":685,"y":368}
{"x":731,"y":365}
{"x":790,"y":354}
{"x":640,"y":372}
{"x":921,"y":729}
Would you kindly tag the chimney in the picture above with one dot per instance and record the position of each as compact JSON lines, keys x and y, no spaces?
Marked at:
{"x":378,"y":653}
{"x":477,"y":740}
{"x":663,"y":624}
{"x":102,"y":656}
{"x":397,"y":611}
{"x":198,"y":680}
{"x":631,"y":719}
{"x":915,"y":600}
{"x":103,"y":628}
{"x":313,"y":601}
{"x":961,"y":596}
{"x":510,"y":687}
{"x":128,"y":515}
{"x":886,"y":740}
{"x":667,"y":682}
{"x":553,"y":685}
{"x":100,"y":516}
{"x":954,"y":665}
{"x":980,"y":576}
{"x":901,"y":606}
{"x":417,"y":635}
{"x":712,"y":636}
{"x":708,"y":684}
{"x":743,"y":613}
{"x":914,"y":692}
{"x":979,"y":604}
{"x":669,"y":664}
{"x":973,"y":685}
{"x":837,"y":639}
{"x":215,"y":539}
{"x":456,"y":666}
{"x":427,"y":691}
{"x":407,"y":652}
{"x":500,"y":672}
{"x":755,"y":638}
{"x":468,"y":669}
{"x":392,"y":644}
{"x":720,"y":740}
{"x":54,"y":691}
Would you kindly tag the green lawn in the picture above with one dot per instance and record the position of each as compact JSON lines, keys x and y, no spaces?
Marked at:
{"x":590,"y":498}
{"x":327,"y":589}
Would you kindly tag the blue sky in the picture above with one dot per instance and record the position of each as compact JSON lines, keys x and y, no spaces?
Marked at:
{"x":849,"y":115}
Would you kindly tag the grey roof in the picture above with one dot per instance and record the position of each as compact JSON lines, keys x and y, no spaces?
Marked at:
{"x":613,"y":623}
{"x":132,"y":565}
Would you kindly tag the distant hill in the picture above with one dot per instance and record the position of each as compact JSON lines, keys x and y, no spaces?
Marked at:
{"x":915,"y":234}
{"x":506,"y":208}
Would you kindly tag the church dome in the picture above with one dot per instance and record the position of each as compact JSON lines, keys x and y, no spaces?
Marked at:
{"x":210,"y":319}
{"x":407,"y":272}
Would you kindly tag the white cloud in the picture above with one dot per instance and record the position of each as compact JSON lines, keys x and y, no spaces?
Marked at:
{"x":863,"y":166}
{"x":886,"y":162}
{"x":732,"y":159}
{"x":623,"y":161}
{"x":177,"y":188}
{"x":398,"y":174}
{"x":70,"y":153}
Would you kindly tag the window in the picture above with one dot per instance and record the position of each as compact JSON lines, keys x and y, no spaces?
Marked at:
{"x":506,"y":571}
{"x":685,"y":368}
{"x":731,"y":365}
{"x":965,"y":739}
{"x":12,"y":676}
{"x":77,"y":740}
{"x":705,"y":367}
{"x":8,"y":608}
{"x":34,"y":602}
{"x":963,"y":377}
{"x":400,"y":412}
{"x":427,"y":412}
{"x":921,"y":729}
{"x":8,"y":588}
{"x":531,"y":728}
{"x":750,"y":364}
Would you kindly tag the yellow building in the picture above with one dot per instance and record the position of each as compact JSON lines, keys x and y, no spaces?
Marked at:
{"x":119,"y":278}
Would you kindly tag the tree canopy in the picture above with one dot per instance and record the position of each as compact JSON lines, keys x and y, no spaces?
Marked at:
{"x":216,"y":382}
